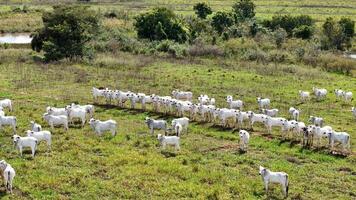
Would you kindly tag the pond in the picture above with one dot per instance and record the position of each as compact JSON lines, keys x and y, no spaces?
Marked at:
{"x":15,"y":38}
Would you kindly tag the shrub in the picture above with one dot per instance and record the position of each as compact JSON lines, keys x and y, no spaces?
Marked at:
{"x":221,"y":21}
{"x":244,"y":9}
{"x":160,"y":24}
{"x":202,"y":10}
{"x":337,"y":35}
{"x":288,"y":23}
{"x":66,"y":33}
{"x":201,"y":49}
{"x":304,"y":32}
{"x":239,"y":46}
{"x":280,"y":36}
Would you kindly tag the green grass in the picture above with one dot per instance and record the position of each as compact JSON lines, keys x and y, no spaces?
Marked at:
{"x":131,"y":165}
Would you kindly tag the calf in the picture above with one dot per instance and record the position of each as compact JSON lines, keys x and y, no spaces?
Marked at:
{"x":21,"y":142}
{"x":8,"y":173}
{"x":100,"y":126}
{"x":35,"y":127}
{"x":274,"y":177}
{"x":244,"y":139}
{"x":156,"y":124}
{"x":8,"y":121}
{"x":168,"y":140}
{"x":6,"y":103}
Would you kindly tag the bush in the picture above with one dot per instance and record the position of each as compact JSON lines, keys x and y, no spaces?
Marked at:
{"x":333,"y":63}
{"x":160,"y":24}
{"x":337,"y":35}
{"x":244,"y":9}
{"x":67,"y":33}
{"x":202,"y":10}
{"x":239,"y":46}
{"x":304,"y":32}
{"x":201,"y":49}
{"x":221,"y":21}
{"x":280,"y":36}
{"x":288,"y":23}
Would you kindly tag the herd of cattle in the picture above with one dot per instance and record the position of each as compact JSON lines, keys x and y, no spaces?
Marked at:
{"x":180,"y":105}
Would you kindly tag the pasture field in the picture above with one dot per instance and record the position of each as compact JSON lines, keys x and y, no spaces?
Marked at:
{"x":30,"y":21}
{"x":209,"y":165}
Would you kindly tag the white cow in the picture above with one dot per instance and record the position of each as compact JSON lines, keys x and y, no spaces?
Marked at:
{"x":100,"y":126}
{"x":8,"y":121}
{"x":8,"y":173}
{"x":41,"y":136}
{"x":6,"y":103}
{"x":244,"y":139}
{"x":169,"y":140}
{"x":21,"y":142}
{"x":274,"y":177}
{"x":35,"y":127}
{"x":263,"y":103}
{"x":56,"y":120}
{"x":304,"y":95}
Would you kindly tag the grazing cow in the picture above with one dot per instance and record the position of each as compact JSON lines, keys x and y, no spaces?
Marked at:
{"x":8,"y":121}
{"x":56,"y":120}
{"x":317,"y":121}
{"x":304,"y":95}
{"x":320,"y":93}
{"x":8,"y":173}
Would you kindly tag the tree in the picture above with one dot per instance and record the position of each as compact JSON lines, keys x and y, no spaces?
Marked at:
{"x":202,"y":10}
{"x":289,"y":23}
{"x":244,"y":9}
{"x":337,"y":34}
{"x":66,"y":33}
{"x":160,"y":24}
{"x":347,"y":26}
{"x":221,"y":21}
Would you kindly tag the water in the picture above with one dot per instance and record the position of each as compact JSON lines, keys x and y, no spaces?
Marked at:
{"x":16,"y":38}
{"x":353,"y":56}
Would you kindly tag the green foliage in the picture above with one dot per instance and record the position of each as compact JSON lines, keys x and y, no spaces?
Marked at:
{"x":304,"y":32}
{"x":160,"y":24}
{"x":66,"y":33}
{"x":221,"y":21}
{"x":337,"y":35}
{"x":244,"y":9}
{"x":280,"y":36}
{"x":289,"y":23}
{"x":202,"y":10}
{"x":347,"y":26}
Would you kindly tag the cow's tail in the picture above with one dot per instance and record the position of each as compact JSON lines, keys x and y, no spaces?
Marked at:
{"x":287,"y":185}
